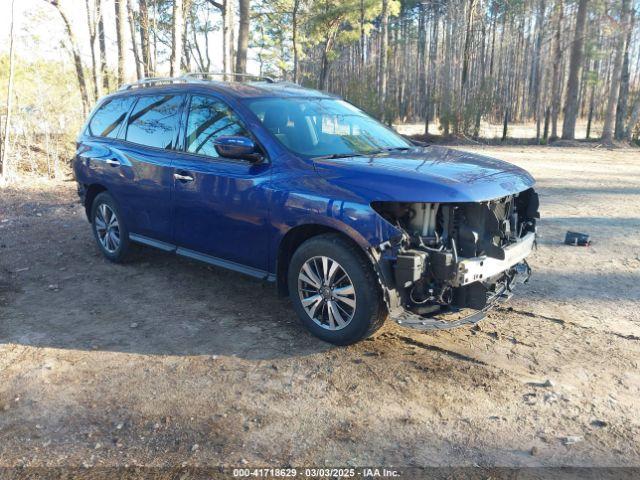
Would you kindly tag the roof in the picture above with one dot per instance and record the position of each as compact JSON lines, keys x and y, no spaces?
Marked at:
{"x":233,"y":89}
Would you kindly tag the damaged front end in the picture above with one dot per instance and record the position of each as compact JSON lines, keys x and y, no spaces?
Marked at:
{"x":454,"y":260}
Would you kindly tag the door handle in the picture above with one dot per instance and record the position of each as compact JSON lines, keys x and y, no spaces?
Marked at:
{"x":183,"y":178}
{"x":113,"y":162}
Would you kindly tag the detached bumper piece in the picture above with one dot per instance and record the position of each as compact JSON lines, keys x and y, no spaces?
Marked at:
{"x":479,"y":269}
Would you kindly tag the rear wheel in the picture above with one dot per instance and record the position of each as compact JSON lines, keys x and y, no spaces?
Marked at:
{"x":335,"y":290}
{"x":109,"y":231}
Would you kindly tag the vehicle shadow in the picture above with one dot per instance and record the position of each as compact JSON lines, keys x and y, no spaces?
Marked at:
{"x":156,"y":304}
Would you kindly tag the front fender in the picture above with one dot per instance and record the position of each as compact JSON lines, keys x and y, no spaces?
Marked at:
{"x":357,"y":221}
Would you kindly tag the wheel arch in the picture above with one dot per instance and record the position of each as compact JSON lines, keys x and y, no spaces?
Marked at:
{"x":91,"y":193}
{"x":297,"y":235}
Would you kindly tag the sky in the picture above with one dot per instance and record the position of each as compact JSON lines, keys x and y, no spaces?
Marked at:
{"x":40,"y":33}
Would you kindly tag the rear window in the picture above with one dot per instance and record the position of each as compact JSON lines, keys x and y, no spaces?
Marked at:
{"x":107,"y":120}
{"x":154,"y":121}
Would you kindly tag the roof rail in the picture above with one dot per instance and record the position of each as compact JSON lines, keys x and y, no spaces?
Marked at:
{"x":227,"y":75}
{"x":150,"y":81}
{"x":187,"y":77}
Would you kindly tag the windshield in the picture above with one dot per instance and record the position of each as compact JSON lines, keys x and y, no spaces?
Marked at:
{"x":324,"y":127}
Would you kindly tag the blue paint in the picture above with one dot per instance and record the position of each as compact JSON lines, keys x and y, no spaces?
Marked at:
{"x":236,"y":212}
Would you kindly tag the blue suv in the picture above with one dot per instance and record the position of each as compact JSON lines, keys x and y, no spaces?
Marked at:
{"x":352,"y":221}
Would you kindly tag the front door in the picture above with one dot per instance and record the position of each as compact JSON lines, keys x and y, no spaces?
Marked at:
{"x":220,"y":204}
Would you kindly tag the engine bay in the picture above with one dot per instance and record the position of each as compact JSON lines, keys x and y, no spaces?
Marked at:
{"x":459,"y":255}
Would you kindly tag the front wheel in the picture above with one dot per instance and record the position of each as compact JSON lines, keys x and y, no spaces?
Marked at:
{"x":335,"y":291}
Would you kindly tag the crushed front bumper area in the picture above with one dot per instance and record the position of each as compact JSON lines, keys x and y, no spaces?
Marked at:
{"x":477,"y":283}
{"x":454,"y":317}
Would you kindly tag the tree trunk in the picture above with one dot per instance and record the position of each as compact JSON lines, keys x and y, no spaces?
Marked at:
{"x":614,"y":88}
{"x":243,"y":36}
{"x":186,"y":51}
{"x":433,"y":57}
{"x":227,"y":36}
{"x":557,"y":74}
{"x":77,"y":60}
{"x":590,"y":115}
{"x":294,"y":40}
{"x":623,"y":99}
{"x":382,"y":73}
{"x":134,"y":43}
{"x":575,"y":66}
{"x":467,"y":44}
{"x":547,"y":115}
{"x":633,"y":119}
{"x":176,"y":38}
{"x":120,"y":10}
{"x":362,"y":37}
{"x":4,"y":154}
{"x":91,"y":24}
{"x":324,"y":67}
{"x":144,"y":37}
{"x":103,"y":46}
{"x":537,"y":74}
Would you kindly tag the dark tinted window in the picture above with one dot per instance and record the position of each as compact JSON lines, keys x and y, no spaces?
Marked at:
{"x":109,"y":117}
{"x":208,"y":119}
{"x":154,"y":120}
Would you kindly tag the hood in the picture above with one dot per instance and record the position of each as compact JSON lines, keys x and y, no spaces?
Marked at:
{"x":425,"y":174}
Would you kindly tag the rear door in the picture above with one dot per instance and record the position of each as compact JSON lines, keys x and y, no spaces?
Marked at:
{"x":220,"y":204}
{"x":146,"y":158}
{"x":99,"y":158}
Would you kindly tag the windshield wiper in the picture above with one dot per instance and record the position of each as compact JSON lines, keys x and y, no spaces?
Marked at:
{"x":397,"y":149}
{"x":362,"y":154}
{"x":341,"y":155}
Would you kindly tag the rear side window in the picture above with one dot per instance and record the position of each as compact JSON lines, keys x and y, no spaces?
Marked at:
{"x":107,"y":120}
{"x":154,"y":121}
{"x":210,"y":118}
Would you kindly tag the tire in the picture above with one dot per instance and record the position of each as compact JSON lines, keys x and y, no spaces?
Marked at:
{"x":358,"y":322}
{"x":114,"y":251}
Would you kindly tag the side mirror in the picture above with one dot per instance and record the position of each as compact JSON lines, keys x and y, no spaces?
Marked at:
{"x":232,"y":146}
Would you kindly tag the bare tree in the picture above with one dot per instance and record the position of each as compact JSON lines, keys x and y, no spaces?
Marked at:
{"x":92,"y":22}
{"x":538,"y":69}
{"x":382,"y":72}
{"x":134,"y":43}
{"x":227,"y":32}
{"x":557,"y":73}
{"x":575,"y":66}
{"x":176,"y":36}
{"x":145,"y":45}
{"x":243,"y":36}
{"x":103,"y":46}
{"x":75,"y":51}
{"x":226,"y":9}
{"x":294,"y":40}
{"x":623,"y":99}
{"x":4,"y":155}
{"x":614,"y":88}
{"x":121,"y":15}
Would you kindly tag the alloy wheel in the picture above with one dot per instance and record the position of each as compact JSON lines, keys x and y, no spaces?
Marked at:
{"x":107,"y":228}
{"x":327,"y":293}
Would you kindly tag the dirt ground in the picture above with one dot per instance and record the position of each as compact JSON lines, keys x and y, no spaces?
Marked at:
{"x":164,"y":361}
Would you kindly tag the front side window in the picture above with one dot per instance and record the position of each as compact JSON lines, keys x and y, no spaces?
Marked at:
{"x":154,"y":121}
{"x":208,"y":119}
{"x":324,"y":127}
{"x":107,"y":120}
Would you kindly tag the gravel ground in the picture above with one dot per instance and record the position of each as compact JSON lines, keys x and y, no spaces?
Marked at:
{"x":164,"y":361}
